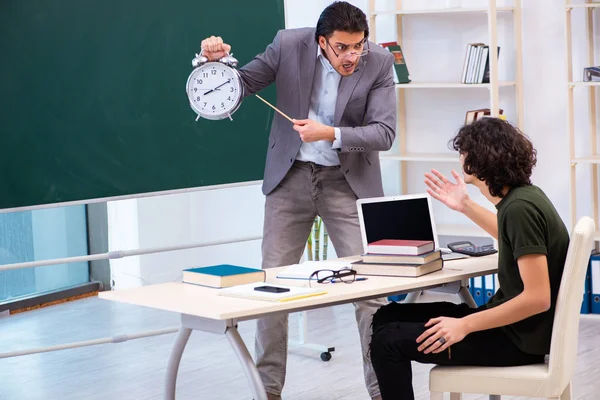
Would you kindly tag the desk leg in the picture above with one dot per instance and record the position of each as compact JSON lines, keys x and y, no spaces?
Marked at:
{"x":258,"y":390}
{"x":463,"y":293}
{"x":174,"y":360}
{"x":466,"y":297}
{"x":412,"y":297}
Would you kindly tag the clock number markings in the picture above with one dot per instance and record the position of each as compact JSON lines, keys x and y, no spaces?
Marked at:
{"x":216,"y":103}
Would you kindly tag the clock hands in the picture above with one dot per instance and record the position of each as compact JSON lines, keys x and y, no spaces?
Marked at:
{"x":222,"y":84}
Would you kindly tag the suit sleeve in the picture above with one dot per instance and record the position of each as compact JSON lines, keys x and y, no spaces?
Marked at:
{"x":379,"y":131}
{"x":262,"y":70}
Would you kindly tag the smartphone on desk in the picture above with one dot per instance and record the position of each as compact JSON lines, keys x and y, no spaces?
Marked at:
{"x":271,"y":289}
{"x":468,"y":248}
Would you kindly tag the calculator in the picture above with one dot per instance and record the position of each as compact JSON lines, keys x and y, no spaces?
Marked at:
{"x":470,"y":249}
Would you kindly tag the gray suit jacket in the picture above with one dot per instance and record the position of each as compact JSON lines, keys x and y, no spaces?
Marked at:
{"x":365,"y":110}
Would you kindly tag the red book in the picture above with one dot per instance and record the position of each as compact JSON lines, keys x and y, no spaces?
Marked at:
{"x":401,"y":247}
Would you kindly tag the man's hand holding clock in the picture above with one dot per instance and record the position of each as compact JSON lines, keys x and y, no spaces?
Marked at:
{"x":213,"y":48}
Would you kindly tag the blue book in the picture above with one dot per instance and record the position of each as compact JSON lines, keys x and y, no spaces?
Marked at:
{"x":223,"y":275}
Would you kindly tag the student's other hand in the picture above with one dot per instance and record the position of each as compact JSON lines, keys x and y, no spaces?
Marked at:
{"x":454,"y":195}
{"x":452,"y":330}
{"x":213,"y":48}
{"x":312,"y":131}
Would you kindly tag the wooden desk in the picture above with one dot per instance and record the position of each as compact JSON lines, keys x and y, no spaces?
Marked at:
{"x":203,"y":309}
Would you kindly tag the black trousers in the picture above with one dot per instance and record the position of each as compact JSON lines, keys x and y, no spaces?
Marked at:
{"x":396,"y":328}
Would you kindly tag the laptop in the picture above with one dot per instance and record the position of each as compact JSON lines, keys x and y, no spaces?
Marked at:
{"x":408,"y":217}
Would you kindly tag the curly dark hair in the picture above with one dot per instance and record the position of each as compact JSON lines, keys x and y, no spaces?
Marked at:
{"x":496,"y":152}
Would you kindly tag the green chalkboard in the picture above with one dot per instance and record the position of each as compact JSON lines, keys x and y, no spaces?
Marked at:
{"x":93,"y":102}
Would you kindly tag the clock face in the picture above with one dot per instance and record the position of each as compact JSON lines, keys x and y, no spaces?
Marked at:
{"x":214,"y":90}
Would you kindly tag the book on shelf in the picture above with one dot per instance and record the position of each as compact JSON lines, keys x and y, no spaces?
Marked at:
{"x":222,"y":275}
{"x":476,"y":65}
{"x":474,"y":115}
{"x":400,"y":68}
{"x":398,"y":270}
{"x":293,"y":292}
{"x":424,"y":258}
{"x":400,"y":247}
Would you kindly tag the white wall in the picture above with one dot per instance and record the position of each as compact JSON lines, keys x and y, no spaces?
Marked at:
{"x":434,"y":47}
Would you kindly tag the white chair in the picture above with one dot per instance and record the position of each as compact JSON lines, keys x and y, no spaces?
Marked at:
{"x":551,"y":380}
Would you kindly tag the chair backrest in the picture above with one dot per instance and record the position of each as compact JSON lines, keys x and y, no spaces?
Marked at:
{"x":565,"y":330}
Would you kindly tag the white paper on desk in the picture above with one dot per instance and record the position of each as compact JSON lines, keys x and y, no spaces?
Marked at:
{"x":247,"y":292}
{"x":305,"y":270}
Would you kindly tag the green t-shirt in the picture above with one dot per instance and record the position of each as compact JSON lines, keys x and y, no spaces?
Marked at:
{"x":528,"y":223}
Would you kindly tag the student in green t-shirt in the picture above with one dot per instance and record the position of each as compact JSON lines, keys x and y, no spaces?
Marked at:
{"x":515,"y":326}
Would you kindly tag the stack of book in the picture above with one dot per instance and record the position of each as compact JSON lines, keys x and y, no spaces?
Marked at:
{"x":476,"y":67}
{"x":403,"y":258}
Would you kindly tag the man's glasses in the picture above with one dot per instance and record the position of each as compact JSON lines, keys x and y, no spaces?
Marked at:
{"x":346,"y":51}
{"x":331,"y":276}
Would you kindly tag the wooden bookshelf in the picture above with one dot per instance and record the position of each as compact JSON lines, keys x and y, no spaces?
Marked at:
{"x":583,"y":84}
{"x":402,"y":156}
{"x":586,"y":160}
{"x":584,"y":5}
{"x":591,"y":158}
{"x":452,"y":85}
{"x":431,"y":157}
{"x":455,"y":10}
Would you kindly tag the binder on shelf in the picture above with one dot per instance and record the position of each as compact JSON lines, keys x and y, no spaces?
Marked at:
{"x":595,"y":272}
{"x":397,"y":298}
{"x":489,"y":287}
{"x":478,"y":294}
{"x":401,"y":74}
{"x":586,"y":305}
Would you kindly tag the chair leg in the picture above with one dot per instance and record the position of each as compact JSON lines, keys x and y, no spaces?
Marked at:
{"x":566,"y":394}
{"x":436,"y":396}
{"x":455,"y":396}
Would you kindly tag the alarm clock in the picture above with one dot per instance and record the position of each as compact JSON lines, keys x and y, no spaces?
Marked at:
{"x":214,"y":88}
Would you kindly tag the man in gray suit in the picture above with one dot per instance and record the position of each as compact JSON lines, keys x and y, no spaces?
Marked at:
{"x":341,"y":87}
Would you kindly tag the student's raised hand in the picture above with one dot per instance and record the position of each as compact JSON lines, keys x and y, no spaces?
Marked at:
{"x":213,"y":48}
{"x":450,"y":330}
{"x":454,"y":195}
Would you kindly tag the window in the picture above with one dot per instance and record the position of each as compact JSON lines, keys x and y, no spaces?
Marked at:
{"x":41,"y":235}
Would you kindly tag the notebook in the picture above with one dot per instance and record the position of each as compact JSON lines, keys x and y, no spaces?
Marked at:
{"x":248,"y":292}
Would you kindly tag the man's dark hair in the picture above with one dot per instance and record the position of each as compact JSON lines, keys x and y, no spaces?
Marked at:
{"x":341,"y":16}
{"x":496,"y":152}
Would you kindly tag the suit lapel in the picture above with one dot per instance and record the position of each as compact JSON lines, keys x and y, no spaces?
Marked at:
{"x":308,"y":60}
{"x":347,"y":85}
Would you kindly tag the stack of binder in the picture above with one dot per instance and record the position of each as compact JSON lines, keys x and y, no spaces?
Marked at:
{"x":591,"y":295}
{"x":482,"y":288}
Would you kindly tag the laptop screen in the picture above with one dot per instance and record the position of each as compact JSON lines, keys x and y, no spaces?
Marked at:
{"x":404,"y":218}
